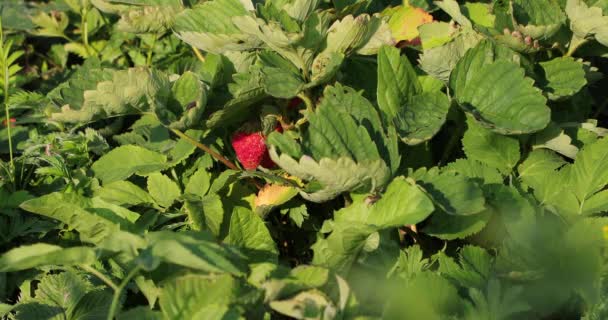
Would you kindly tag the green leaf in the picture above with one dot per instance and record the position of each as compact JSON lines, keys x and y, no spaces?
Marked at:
{"x":435,"y":34}
{"x":126,"y":93}
{"x":355,"y":226}
{"x":140,"y":313}
{"x":587,"y":21}
{"x":311,"y":304}
{"x":418,"y":116}
{"x":15,"y":15}
{"x":300,"y":278}
{"x":411,"y":263}
{"x":301,"y":9}
{"x":554,"y":138}
{"x":124,"y":161}
{"x":148,"y":289}
{"x":497,"y":94}
{"x":534,"y":169}
{"x":341,"y":248}
{"x":397,"y":81}
{"x":123,"y":193}
{"x":334,"y":176}
{"x":497,"y":303}
{"x":164,"y":190}
{"x":205,"y":213}
{"x":540,"y":173}
{"x":427,"y":296}
{"x":247,"y":230}
{"x":454,"y":194}
{"x":198,"y":183}
{"x":84,"y":78}
{"x":50,"y":25}
{"x":390,"y":210}
{"x":539,"y":19}
{"x":480,"y":14}
{"x":246,"y":90}
{"x":149,"y":17}
{"x":564,"y":77}
{"x":41,"y":254}
{"x":440,"y":61}
{"x":94,"y":223}
{"x":597,"y":203}
{"x":325,"y":67}
{"x":475,"y":170}
{"x":501,"y":201}
{"x":194,"y":296}
{"x":191,"y":251}
{"x":281,"y":82}
{"x":450,"y":227}
{"x":183,"y":149}
{"x":452,"y":8}
{"x":589,"y":173}
{"x":209,"y":26}
{"x":93,"y":305}
{"x":423,"y":117}
{"x":341,"y":147}
{"x":63,"y":290}
{"x":184,"y":106}
{"x":495,"y":150}
{"x":365,"y":34}
{"x":472,"y":270}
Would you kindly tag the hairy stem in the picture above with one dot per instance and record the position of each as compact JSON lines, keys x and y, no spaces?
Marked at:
{"x":118,"y":292}
{"x":100,"y":275}
{"x":85,"y":28}
{"x":575,"y":44}
{"x":151,"y":50}
{"x":205,"y":148}
{"x":6,"y":98}
{"x":309,"y":104}
{"x":198,"y":54}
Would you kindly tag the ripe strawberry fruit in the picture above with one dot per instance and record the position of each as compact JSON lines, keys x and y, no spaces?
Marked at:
{"x":251,"y":151}
{"x":294,"y":103}
{"x":12,"y":121}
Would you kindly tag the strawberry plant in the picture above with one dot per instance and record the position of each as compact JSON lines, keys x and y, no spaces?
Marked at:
{"x":304,"y":159}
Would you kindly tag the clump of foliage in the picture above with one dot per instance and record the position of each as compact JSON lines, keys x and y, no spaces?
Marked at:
{"x":306,"y":159}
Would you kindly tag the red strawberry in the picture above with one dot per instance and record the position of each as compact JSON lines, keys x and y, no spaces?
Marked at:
{"x":294,"y":103}
{"x":12,"y":121}
{"x":251,"y":150}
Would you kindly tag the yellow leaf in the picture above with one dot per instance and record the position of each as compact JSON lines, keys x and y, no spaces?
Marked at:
{"x":404,"y":23}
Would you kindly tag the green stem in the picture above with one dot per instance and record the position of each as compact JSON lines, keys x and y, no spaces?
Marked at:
{"x":309,"y":105}
{"x":575,"y":44}
{"x":85,"y":28}
{"x":198,"y":54}
{"x":6,"y":98}
{"x":100,"y":275}
{"x":452,"y":143}
{"x":8,"y":120}
{"x":118,"y":292}
{"x":600,"y":109}
{"x":309,"y":108}
{"x":151,"y":50}
{"x":205,"y":148}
